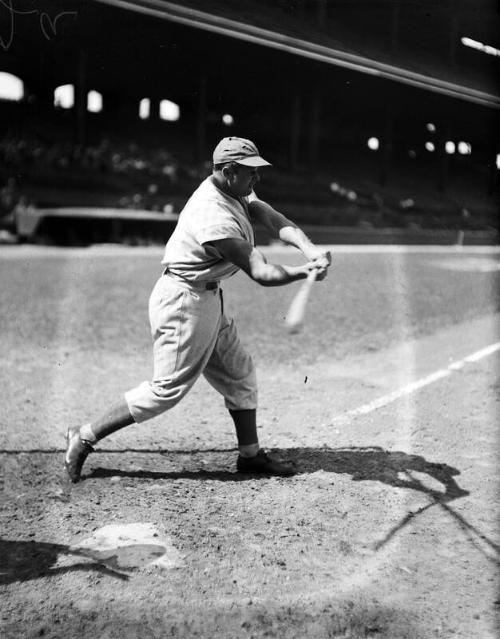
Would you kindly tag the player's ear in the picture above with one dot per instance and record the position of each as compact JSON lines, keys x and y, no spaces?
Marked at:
{"x":228,"y":172}
{"x":230,"y":169}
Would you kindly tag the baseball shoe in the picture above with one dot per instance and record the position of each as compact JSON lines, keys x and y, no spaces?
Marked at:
{"x":77,"y":451}
{"x":262,"y":464}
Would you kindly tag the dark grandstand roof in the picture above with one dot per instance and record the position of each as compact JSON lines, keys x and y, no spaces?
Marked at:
{"x":416,"y":43}
{"x":354,"y":35}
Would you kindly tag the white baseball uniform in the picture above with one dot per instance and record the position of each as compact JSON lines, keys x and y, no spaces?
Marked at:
{"x":191,"y":333}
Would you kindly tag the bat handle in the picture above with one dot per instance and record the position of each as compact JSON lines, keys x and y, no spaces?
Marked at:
{"x":311,"y":276}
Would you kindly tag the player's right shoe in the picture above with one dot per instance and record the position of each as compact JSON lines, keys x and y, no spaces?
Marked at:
{"x":77,"y":451}
{"x":264,"y":465}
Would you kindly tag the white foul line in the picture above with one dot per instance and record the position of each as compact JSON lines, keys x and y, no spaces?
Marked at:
{"x":414,"y":386}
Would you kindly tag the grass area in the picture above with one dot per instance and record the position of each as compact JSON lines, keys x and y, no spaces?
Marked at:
{"x":368,"y":301}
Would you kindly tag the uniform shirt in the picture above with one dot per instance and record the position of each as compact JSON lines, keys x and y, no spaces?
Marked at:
{"x":209,"y":215}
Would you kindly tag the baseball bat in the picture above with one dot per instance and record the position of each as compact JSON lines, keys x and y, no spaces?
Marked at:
{"x":295,"y":317}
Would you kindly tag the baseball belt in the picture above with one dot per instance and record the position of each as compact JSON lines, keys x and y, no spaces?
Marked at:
{"x":203,"y":285}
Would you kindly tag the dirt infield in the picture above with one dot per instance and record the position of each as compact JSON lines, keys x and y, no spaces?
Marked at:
{"x":387,"y":403}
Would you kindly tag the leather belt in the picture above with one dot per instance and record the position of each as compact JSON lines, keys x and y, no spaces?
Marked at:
{"x":203,"y":285}
{"x":210,"y":286}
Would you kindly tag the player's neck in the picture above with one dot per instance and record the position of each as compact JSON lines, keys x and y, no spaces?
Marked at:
{"x":221,"y":184}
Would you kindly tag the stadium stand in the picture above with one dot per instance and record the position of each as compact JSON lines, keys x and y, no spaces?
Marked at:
{"x":314,"y":118}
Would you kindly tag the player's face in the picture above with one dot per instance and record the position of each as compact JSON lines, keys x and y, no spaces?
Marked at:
{"x":244,"y":180}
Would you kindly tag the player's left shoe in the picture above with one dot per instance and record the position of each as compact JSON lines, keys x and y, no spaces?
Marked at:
{"x":264,"y":465}
{"x":77,"y":451}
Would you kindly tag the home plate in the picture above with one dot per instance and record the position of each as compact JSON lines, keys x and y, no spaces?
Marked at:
{"x":128,"y":547}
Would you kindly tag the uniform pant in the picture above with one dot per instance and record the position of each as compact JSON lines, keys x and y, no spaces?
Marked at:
{"x":191,"y":336}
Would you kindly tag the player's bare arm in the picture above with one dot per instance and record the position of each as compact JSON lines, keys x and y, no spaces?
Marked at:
{"x":285,"y":230}
{"x":255,"y":265}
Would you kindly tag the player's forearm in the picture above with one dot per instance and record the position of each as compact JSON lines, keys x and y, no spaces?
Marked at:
{"x":296,"y":237}
{"x":282,"y":228}
{"x":277,"y":274}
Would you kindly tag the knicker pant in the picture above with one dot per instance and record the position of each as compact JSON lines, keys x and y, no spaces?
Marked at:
{"x":191,"y":336}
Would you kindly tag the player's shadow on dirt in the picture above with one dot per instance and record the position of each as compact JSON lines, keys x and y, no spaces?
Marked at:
{"x":394,"y":468}
{"x":26,"y":560}
{"x":400,"y":470}
{"x":363,"y":464}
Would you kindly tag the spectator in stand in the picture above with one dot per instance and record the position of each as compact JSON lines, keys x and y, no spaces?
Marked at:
{"x":9,"y":196}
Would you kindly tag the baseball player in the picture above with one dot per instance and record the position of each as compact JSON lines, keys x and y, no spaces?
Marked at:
{"x":192,"y":334}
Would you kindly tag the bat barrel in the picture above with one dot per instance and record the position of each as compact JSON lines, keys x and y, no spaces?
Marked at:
{"x":296,"y":313}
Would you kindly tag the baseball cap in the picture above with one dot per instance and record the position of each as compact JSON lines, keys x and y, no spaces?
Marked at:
{"x":238,"y":150}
